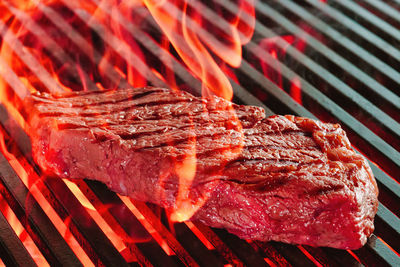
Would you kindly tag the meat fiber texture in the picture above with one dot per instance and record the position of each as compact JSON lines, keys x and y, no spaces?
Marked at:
{"x":282,"y":178}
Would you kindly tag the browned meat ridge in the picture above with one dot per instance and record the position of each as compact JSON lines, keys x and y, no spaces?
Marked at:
{"x":282,"y":178}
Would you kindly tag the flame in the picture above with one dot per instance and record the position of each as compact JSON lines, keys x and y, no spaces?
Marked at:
{"x":147,"y":225}
{"x":34,"y":184}
{"x":112,"y":236}
{"x":186,"y":171}
{"x":20,"y":231}
{"x":277,"y":48}
{"x":181,"y":22}
{"x":72,"y":54}
{"x":200,"y":235}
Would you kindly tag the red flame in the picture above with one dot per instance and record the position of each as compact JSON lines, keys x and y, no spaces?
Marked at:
{"x":34,"y":184}
{"x":181,"y":22}
{"x":52,"y":47}
{"x":21,"y":233}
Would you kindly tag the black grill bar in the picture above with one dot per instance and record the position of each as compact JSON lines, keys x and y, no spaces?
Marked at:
{"x":52,"y":46}
{"x":340,"y":38}
{"x":219,"y":245}
{"x":181,"y":252}
{"x":12,"y":250}
{"x":388,"y":227}
{"x":200,"y":253}
{"x":12,"y":79}
{"x":86,"y":226}
{"x":318,"y":97}
{"x":383,"y":25}
{"x":335,"y":82}
{"x":30,"y":61}
{"x":272,"y":253}
{"x":353,"y":70}
{"x":78,"y":40}
{"x":293,"y":254}
{"x":383,"y":7}
{"x":166,"y":58}
{"x":241,"y":248}
{"x":46,"y":237}
{"x":387,"y":177}
{"x":357,"y":29}
{"x":152,"y":252}
{"x":342,"y":257}
{"x":376,"y":251}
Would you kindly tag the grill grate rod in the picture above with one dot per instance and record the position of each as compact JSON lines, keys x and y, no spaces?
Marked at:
{"x":389,"y":227}
{"x":317,"y":96}
{"x":383,"y":7}
{"x":12,"y":79}
{"x":51,"y":45}
{"x":166,"y":58}
{"x":389,"y":178}
{"x":368,"y":16}
{"x":80,"y":42}
{"x":49,"y":241}
{"x":368,"y":107}
{"x":364,"y":78}
{"x":358,"y":29}
{"x":357,"y":99}
{"x":12,"y":249}
{"x":313,"y":93}
{"x":29,"y":60}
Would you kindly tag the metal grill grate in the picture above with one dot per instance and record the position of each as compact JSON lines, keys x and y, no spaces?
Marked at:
{"x":347,"y":70}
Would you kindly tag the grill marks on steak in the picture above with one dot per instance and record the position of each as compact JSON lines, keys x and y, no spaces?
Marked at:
{"x":279,"y":178}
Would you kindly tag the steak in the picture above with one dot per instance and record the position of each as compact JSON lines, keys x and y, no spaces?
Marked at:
{"x":281,"y":178}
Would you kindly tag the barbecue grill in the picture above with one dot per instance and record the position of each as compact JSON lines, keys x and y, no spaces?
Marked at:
{"x":336,"y":61}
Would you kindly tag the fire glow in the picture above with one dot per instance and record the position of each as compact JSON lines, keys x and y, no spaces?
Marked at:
{"x":100,"y":51}
{"x":88,"y":58}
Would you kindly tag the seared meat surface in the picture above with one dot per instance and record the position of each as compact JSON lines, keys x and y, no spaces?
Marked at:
{"x":282,"y":178}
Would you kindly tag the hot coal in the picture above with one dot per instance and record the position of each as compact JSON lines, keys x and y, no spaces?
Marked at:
{"x":282,"y":178}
